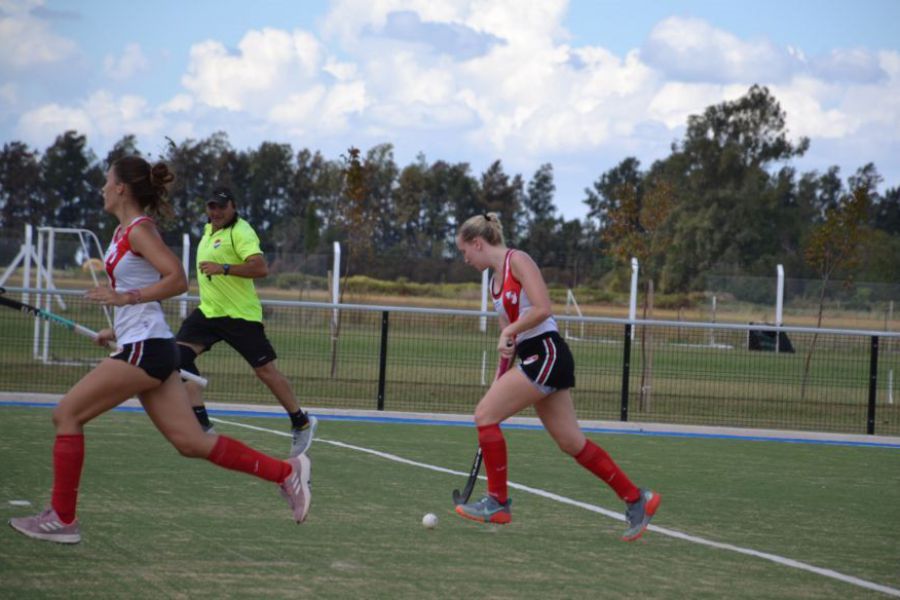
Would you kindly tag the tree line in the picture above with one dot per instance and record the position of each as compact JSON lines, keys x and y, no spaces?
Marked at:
{"x":726,"y":200}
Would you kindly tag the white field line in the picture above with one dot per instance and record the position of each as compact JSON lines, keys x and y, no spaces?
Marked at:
{"x":788,"y":562}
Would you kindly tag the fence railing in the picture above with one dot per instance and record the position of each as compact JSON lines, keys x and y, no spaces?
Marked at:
{"x":436,"y":360}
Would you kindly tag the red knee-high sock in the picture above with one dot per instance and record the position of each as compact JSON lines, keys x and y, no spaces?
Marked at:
{"x":68,"y":460}
{"x":595,"y":459}
{"x":232,"y":454}
{"x":493,"y":451}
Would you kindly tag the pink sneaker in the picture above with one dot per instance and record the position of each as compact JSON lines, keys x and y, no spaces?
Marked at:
{"x":48,"y":526}
{"x":295,"y":488}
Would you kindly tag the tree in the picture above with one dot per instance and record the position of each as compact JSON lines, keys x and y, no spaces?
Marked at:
{"x":20,"y":187}
{"x":504,"y":197}
{"x":198,"y":170}
{"x":410,"y":201}
{"x":299,"y":229}
{"x":886,"y":214}
{"x":358,"y":216}
{"x":636,"y":227}
{"x":727,"y":201}
{"x":834,"y":244}
{"x":539,"y":200}
{"x":461,"y":189}
{"x":270,"y":171}
{"x":541,"y":227}
{"x":382,"y":174}
{"x":602,"y":198}
{"x":127,"y":146}
{"x":72,"y":181}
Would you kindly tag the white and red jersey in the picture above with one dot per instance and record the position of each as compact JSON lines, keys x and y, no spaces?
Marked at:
{"x":513,"y":301}
{"x":128,"y":270}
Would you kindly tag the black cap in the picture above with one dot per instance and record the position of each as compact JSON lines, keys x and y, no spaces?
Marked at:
{"x":221,"y":196}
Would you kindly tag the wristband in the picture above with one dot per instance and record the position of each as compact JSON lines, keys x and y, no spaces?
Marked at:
{"x":225,"y":268}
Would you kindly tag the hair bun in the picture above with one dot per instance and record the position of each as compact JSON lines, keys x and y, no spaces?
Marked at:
{"x":161,"y":175}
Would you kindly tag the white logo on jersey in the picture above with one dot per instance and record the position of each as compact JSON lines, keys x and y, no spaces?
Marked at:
{"x":512,"y":297}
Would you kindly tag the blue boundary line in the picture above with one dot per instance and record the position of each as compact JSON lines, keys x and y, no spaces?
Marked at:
{"x":423,"y":421}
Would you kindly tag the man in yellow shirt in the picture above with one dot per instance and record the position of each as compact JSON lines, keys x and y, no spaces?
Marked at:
{"x":228,"y":260}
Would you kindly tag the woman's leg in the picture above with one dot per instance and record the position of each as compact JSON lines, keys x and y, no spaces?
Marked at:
{"x":105,"y":387}
{"x":508,"y":395}
{"x":170,"y":410}
{"x":557,"y":413}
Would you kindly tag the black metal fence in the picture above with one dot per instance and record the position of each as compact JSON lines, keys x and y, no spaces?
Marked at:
{"x":431,"y":360}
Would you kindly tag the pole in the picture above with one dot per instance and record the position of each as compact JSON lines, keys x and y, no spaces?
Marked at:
{"x":336,"y":283}
{"x":626,"y":372}
{"x":186,"y":265}
{"x":632,"y":304}
{"x":485,"y":281}
{"x":873,"y":384}
{"x":779,"y":306}
{"x":382,"y":361}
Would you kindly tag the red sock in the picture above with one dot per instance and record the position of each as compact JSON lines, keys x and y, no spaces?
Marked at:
{"x":595,"y":459}
{"x":68,"y":459}
{"x":493,"y":451}
{"x":232,"y":454}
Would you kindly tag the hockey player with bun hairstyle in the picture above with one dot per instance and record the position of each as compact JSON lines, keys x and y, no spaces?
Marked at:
{"x":142,"y":271}
{"x":543,"y":378}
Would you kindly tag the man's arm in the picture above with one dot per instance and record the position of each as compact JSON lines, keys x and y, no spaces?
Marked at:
{"x":253,"y":267}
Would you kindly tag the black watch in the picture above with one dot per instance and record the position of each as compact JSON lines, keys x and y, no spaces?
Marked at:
{"x":225,"y":268}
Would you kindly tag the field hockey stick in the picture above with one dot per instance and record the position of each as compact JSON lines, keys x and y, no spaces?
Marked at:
{"x":76,"y":328}
{"x":461,"y":497}
{"x":466,"y":493}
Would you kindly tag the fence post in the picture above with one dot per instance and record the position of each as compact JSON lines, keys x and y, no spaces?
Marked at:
{"x":873,"y":384}
{"x":382,"y":360}
{"x":626,"y":372}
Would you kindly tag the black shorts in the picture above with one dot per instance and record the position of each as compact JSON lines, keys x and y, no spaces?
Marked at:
{"x":247,"y":337}
{"x":547,"y":361}
{"x":158,"y":357}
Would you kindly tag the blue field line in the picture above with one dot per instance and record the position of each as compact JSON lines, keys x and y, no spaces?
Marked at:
{"x":425,"y":421}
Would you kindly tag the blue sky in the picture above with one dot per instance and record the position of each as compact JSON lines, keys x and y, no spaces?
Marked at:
{"x":580,"y":84}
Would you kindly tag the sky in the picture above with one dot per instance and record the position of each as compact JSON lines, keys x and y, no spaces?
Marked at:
{"x":580,"y":84}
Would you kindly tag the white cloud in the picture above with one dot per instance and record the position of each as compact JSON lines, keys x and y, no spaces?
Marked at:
{"x":131,"y":62}
{"x":26,"y":41}
{"x":268,"y":65}
{"x":690,"y":49}
{"x":101,"y":114}
{"x":178,"y":104}
{"x":805,"y":102}
{"x":46,"y":122}
{"x":9,"y":95}
{"x":852,"y":66}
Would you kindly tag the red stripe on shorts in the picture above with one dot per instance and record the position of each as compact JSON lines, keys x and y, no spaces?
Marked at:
{"x":549,"y":362}
{"x":137,"y":352}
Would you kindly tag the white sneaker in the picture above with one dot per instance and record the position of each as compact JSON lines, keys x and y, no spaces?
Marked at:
{"x":302,"y":438}
{"x":48,"y":526}
{"x":295,"y":488}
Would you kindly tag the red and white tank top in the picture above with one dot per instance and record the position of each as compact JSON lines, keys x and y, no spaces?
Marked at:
{"x":513,"y":301}
{"x":128,"y":270}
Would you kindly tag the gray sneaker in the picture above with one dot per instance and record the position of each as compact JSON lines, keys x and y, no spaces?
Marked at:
{"x":638,"y":514}
{"x":487,"y":510}
{"x":302,"y":438}
{"x":48,"y":526}
{"x":295,"y":488}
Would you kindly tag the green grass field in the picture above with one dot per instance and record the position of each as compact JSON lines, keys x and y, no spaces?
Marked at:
{"x":156,"y":525}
